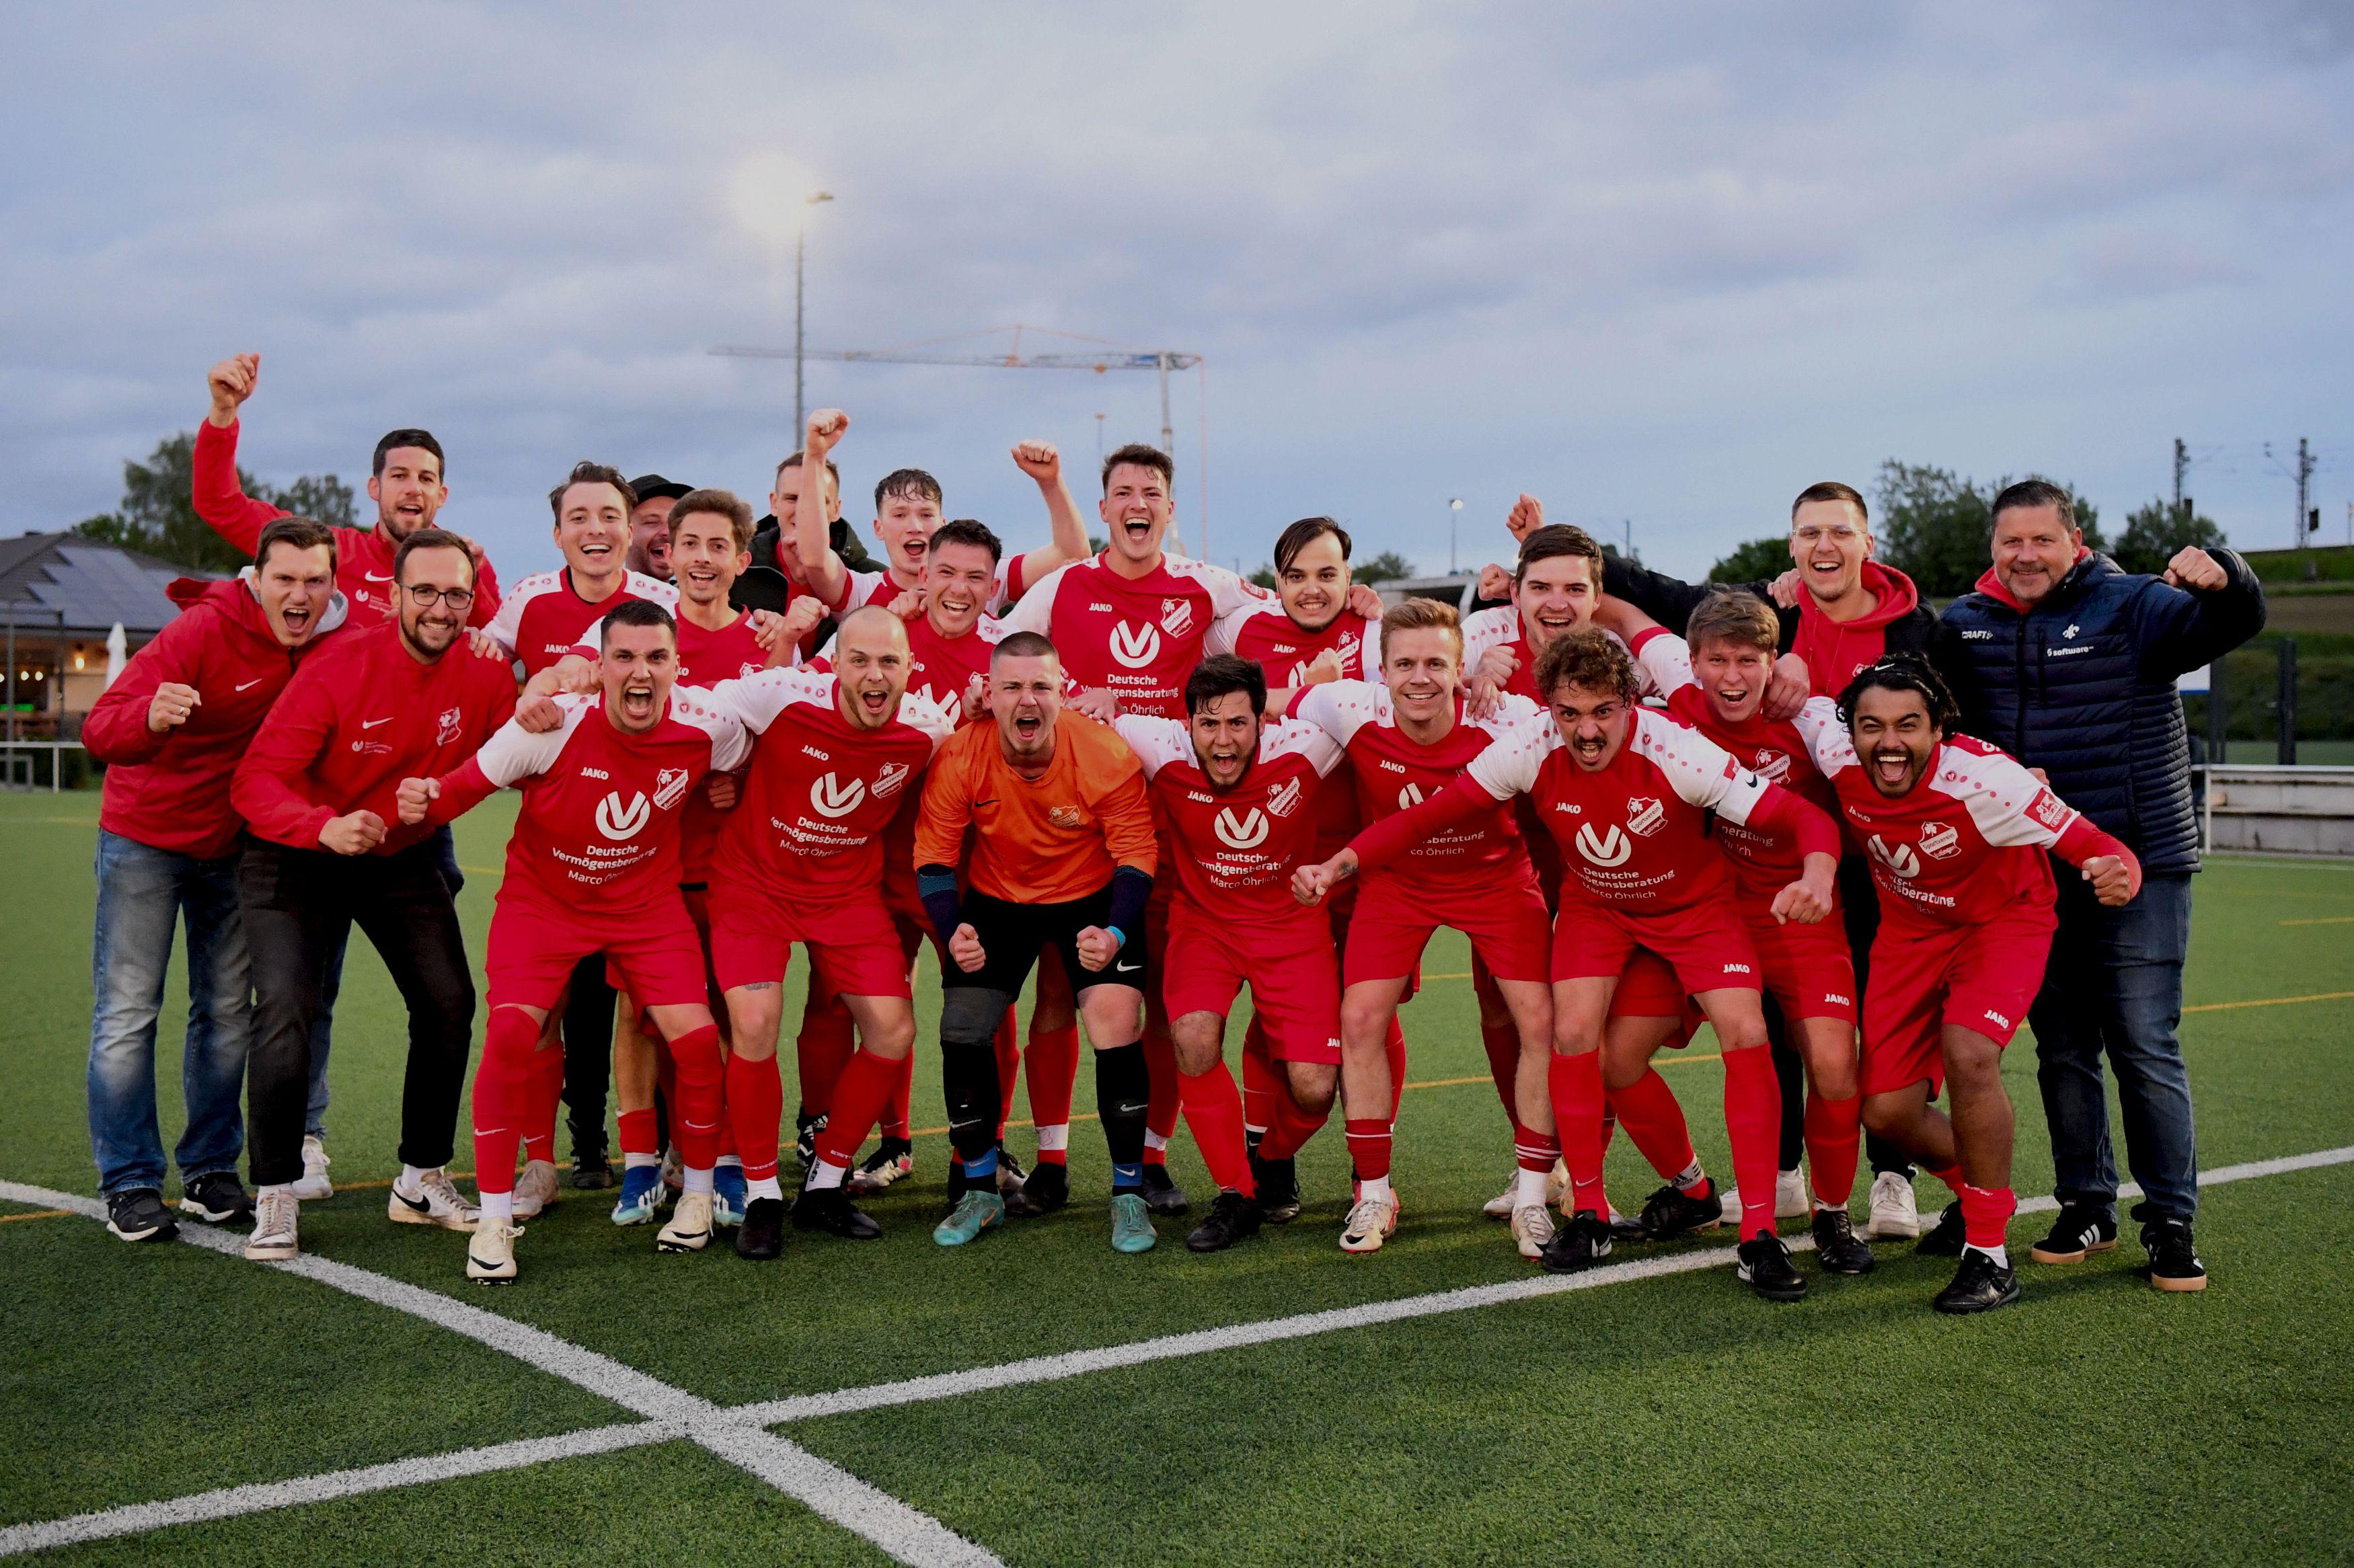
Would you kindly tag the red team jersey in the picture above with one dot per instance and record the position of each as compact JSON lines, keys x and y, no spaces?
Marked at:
{"x":1263,"y":632}
{"x":860,"y":589}
{"x":543,"y":620}
{"x":1137,"y":638}
{"x":1502,"y":628}
{"x":705,"y":658}
{"x":1235,"y":850}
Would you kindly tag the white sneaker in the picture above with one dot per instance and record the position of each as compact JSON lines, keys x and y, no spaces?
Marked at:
{"x":1501,"y":1206}
{"x":1894,"y":1216}
{"x":277,"y":1220}
{"x":489,"y":1255}
{"x":1372,"y":1221}
{"x":690,"y":1225}
{"x":1791,"y":1200}
{"x":1531,"y":1229}
{"x":536,"y":1188}
{"x":1557,"y":1183}
{"x":435,"y":1203}
{"x":1730,"y":1196}
{"x":314,"y":1183}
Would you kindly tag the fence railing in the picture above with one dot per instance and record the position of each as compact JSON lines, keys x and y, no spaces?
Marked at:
{"x":18,"y":758}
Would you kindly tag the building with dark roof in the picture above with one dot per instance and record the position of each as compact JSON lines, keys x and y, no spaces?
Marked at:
{"x":61,"y":595}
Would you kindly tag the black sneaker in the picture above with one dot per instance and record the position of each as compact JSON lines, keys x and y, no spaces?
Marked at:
{"x":1836,"y":1243}
{"x":1044,"y":1190}
{"x":1277,"y":1181}
{"x":762,"y":1235}
{"x":1231,"y":1217}
{"x":1580,"y":1243}
{"x":2173,"y":1262}
{"x":1671,"y":1212}
{"x":1009,"y":1172}
{"x":139,"y":1215}
{"x":1162,"y":1193}
{"x":590,"y":1171}
{"x":2078,"y":1230}
{"x":217,"y":1198}
{"x":829,"y":1209}
{"x":806,"y":1129}
{"x":1980,"y":1285}
{"x":1766,"y":1267}
{"x":1627,"y":1228}
{"x":1943,"y":1239}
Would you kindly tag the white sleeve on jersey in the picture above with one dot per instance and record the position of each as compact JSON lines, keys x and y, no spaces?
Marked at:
{"x":1291,"y":737}
{"x":1341,"y":708}
{"x":1513,"y":710}
{"x":1827,"y":739}
{"x":507,"y":624}
{"x":860,"y":588}
{"x":1034,"y":611}
{"x":2011,"y":808}
{"x":731,"y":743}
{"x":1488,"y":629}
{"x":1225,"y":632}
{"x":1228,"y":590}
{"x":1700,"y":771}
{"x":754,"y":701}
{"x":1157,"y":742}
{"x":937,"y":720}
{"x":514,"y":753}
{"x":637,"y":585}
{"x":1510,"y":765}
{"x":1662,"y":665}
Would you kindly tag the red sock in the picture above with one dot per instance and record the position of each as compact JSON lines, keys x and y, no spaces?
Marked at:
{"x":1951,"y":1175}
{"x":860,"y":1096}
{"x":502,"y":1095}
{"x":1536,"y":1150}
{"x":755,"y":1104}
{"x":665,"y":1076}
{"x":1753,"y":1123}
{"x":1610,"y":1124}
{"x":1504,"y":1043}
{"x":1009,"y":1069}
{"x":821,"y":1050}
{"x":895,"y":1115}
{"x":694,"y":1125}
{"x":1833,"y":1129}
{"x":1051,"y":1067}
{"x":638,"y":1131}
{"x":1577,"y":1085}
{"x":1291,"y":1127}
{"x":546,"y":1079}
{"x":1160,"y":1108}
{"x":1655,"y":1123}
{"x":1369,"y":1148}
{"x":1985,"y":1214}
{"x":1395,"y":1046}
{"x":1214,"y":1109}
{"x":1262,"y":1082}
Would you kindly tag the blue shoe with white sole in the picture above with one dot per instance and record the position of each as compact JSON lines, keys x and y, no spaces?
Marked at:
{"x":728,"y":1196}
{"x":642,"y":1192}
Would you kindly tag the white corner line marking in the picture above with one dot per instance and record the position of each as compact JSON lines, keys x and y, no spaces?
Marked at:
{"x":735,"y":1432}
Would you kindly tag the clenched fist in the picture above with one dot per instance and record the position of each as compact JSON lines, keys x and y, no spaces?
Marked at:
{"x":964,"y":947}
{"x":414,"y":796}
{"x":1039,"y":460}
{"x":826,"y":427}
{"x":231,"y":382}
{"x":171,"y":706}
{"x":355,"y":832}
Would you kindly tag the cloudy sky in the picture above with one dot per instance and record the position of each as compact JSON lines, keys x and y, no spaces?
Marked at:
{"x":1658,"y":264}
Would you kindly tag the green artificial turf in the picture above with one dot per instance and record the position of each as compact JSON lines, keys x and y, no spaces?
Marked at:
{"x":1672,"y":1416}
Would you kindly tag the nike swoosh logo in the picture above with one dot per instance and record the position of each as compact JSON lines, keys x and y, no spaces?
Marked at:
{"x":371,"y":724}
{"x":255,"y":681}
{"x":379,"y":577}
{"x":1125,"y":969}
{"x":422,"y":1205}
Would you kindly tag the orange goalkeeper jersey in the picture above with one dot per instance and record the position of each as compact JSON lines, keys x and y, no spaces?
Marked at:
{"x":1047,"y":840}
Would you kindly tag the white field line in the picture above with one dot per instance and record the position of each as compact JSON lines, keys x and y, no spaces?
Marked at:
{"x":830,"y":1492}
{"x":735,"y":1432}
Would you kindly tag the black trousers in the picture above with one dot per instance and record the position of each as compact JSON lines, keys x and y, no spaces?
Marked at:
{"x":587,"y":1053}
{"x":296,"y":904}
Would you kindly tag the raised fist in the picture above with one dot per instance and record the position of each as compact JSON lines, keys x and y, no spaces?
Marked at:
{"x":826,"y":427}
{"x":355,"y":832}
{"x":1039,"y":460}
{"x":1525,"y":518}
{"x":231,"y":383}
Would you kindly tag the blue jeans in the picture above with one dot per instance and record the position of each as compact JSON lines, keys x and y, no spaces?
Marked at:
{"x":2114,"y":985}
{"x":143,"y":892}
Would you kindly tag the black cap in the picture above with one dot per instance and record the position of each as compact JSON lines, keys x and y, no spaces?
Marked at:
{"x":654,"y":487}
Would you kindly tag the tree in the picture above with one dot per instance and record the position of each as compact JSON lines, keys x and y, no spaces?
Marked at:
{"x":1387,"y":566}
{"x":2155,"y":530}
{"x":1935,"y":526}
{"x":156,"y":517}
{"x":1760,"y":560}
{"x":1264,"y":577}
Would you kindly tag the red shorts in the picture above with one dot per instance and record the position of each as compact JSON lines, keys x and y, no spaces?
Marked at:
{"x":1980,"y":977}
{"x":533,"y":946}
{"x":854,"y":945}
{"x":1706,"y":943}
{"x":1809,"y":969}
{"x":1295,"y":983}
{"x":1393,"y":923}
{"x":1340,"y":908}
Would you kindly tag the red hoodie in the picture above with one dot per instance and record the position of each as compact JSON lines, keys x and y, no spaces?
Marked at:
{"x":170,"y":791}
{"x":363,"y":557}
{"x":1994,"y":587}
{"x":353,"y":723}
{"x":1836,"y":652}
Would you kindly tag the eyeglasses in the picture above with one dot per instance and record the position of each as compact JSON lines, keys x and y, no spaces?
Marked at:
{"x":425,"y":596}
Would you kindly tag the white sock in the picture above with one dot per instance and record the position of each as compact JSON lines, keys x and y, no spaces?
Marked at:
{"x":1057,"y":1136}
{"x":499,"y":1206}
{"x":1792,"y":1171}
{"x":825,"y":1173}
{"x":1154,"y":1140}
{"x":1532,"y":1190}
{"x":274,"y":1187}
{"x":766,"y":1187}
{"x":1691,"y":1177}
{"x":735,"y":1159}
{"x":640,"y":1161}
{"x":2001,"y":1254}
{"x":698,"y":1180}
{"x":1379,"y":1187}
{"x":412,"y":1176}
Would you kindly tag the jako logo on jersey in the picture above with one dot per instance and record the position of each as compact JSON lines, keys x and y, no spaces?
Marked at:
{"x":446,"y":728}
{"x":669,"y":785}
{"x":1772,"y":766}
{"x":1245,"y":832}
{"x":1940,"y":840}
{"x":616,"y":821}
{"x":833,"y":798}
{"x":1606,"y":849}
{"x":1176,"y":617}
{"x":1837,"y":1000}
{"x":1135,"y":646}
{"x":887,"y":782}
{"x":1646,"y":816}
{"x":1736,"y":968}
{"x":1900,"y":860}
{"x":1997,"y":1019}
{"x":1410,"y":797}
{"x":594,"y":773}
{"x":1284,"y":799}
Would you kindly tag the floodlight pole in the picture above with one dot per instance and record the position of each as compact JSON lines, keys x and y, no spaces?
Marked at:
{"x":800,"y":247}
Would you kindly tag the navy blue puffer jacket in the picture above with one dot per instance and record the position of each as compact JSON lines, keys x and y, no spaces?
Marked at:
{"x":2082,"y":685}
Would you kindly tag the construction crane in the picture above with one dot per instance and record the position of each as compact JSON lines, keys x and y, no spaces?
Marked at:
{"x":1102,"y":358}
